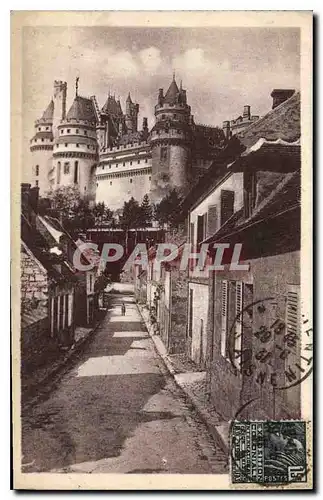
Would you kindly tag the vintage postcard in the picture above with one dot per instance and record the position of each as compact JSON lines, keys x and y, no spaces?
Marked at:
{"x":161,"y":250}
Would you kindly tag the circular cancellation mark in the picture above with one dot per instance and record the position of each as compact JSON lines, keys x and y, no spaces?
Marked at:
{"x":278,"y":351}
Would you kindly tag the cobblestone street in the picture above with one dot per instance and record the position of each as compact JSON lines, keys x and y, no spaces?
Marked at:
{"x":117,"y":410}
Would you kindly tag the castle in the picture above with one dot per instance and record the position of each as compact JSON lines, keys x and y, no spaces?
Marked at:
{"x":102,"y":152}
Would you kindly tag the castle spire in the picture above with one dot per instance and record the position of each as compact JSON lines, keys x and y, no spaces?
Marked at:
{"x":76,"y":85}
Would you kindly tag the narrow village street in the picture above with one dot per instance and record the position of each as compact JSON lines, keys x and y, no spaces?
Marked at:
{"x":117,"y":410}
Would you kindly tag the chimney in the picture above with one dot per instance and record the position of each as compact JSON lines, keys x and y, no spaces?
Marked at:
{"x":281,"y":95}
{"x":246,"y":112}
{"x":226,"y":129}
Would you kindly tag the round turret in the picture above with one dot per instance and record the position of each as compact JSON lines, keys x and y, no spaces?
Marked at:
{"x":41,"y":148}
{"x":75,"y":148}
{"x":171,"y":142}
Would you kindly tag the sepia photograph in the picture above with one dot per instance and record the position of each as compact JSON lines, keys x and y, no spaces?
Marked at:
{"x":161,"y":249}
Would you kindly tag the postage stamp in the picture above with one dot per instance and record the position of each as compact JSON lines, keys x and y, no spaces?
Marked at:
{"x":270,"y":452}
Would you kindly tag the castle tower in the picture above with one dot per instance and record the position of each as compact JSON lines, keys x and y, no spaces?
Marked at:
{"x":170,"y":141}
{"x":132,"y":111}
{"x":41,"y":148}
{"x":75,"y":152}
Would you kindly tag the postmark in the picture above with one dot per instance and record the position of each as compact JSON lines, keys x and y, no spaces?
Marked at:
{"x":279,"y":350}
{"x":268,"y":452}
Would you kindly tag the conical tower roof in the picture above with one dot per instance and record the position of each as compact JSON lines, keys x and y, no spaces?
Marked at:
{"x":82,"y":109}
{"x":112,"y":107}
{"x":47,"y":116}
{"x":172,"y":93}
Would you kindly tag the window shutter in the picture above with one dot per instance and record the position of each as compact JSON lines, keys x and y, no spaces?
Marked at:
{"x":227,"y":205}
{"x":212,"y":220}
{"x":292,"y":310}
{"x":224,"y":315}
{"x":200,"y":228}
{"x":238,"y":316}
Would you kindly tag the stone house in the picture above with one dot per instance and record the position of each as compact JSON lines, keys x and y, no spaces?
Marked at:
{"x":254,"y":313}
{"x":51,"y":287}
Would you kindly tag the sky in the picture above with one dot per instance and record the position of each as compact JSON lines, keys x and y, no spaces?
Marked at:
{"x":222,"y":69}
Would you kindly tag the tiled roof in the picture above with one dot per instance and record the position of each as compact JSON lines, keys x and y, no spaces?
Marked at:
{"x":283,"y":122}
{"x":82,"y":109}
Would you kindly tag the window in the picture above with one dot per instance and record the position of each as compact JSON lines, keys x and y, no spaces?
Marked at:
{"x":39,"y":129}
{"x":110,"y":183}
{"x":77,"y":145}
{"x":201,"y":227}
{"x":66,"y":144}
{"x":146,"y":160}
{"x":85,"y":132}
{"x":163,"y":153}
{"x":68,"y":130}
{"x":62,"y":131}
{"x":66,"y":168}
{"x":90,"y":287}
{"x":77,"y":131}
{"x":47,"y":128}
{"x":88,"y":146}
{"x":42,"y":140}
{"x":124,"y":164}
{"x":138,"y":161}
{"x":131,"y":163}
{"x":76,"y":172}
{"x":149,"y":178}
{"x":130,"y":181}
{"x":102,"y":167}
{"x":37,"y":183}
{"x":58,"y":172}
{"x":109,"y":166}
{"x":250,"y":191}
{"x":117,"y":164}
{"x":37,"y":170}
{"x":175,"y":116}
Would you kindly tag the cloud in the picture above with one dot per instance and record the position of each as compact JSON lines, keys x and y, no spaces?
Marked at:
{"x":151,"y":59}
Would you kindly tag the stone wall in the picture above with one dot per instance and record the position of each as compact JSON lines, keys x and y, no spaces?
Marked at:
{"x":34,"y":280}
{"x":230,"y":388}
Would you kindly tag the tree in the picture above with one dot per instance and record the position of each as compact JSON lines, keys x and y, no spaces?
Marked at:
{"x":64,"y":199}
{"x":102,"y":214}
{"x":131,"y":214}
{"x":166,"y":212}
{"x":146,"y":211}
